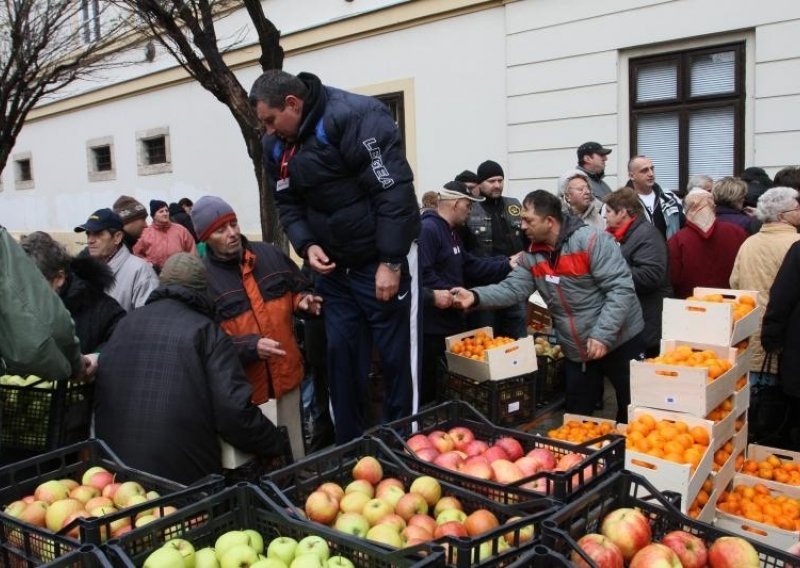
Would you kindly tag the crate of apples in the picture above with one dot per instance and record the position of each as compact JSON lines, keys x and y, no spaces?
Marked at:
{"x":363,"y":490}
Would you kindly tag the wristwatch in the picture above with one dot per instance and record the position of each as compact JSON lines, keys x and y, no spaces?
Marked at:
{"x":393,"y":266}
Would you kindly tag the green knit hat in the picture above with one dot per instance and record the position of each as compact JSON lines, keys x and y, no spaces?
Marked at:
{"x":186,"y":270}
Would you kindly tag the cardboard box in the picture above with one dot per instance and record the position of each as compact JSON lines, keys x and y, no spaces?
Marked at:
{"x":232,"y":457}
{"x":666,"y":475}
{"x":768,"y":534}
{"x":709,"y":322}
{"x":681,"y":388}
{"x":510,"y":360}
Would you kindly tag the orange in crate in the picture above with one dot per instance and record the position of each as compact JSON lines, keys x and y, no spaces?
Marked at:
{"x":758,"y":503}
{"x":579,"y":431}
{"x":772,"y":468}
{"x":685,"y":356}
{"x":665,"y":439}
{"x":475,"y":346}
{"x":742,"y":306}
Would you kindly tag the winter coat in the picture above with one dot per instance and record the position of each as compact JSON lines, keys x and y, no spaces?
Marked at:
{"x":182,"y":218}
{"x":592,"y":216}
{"x":703,"y":258}
{"x":756,"y":265}
{"x":780,"y":330}
{"x":668,"y":216}
{"x":586,"y":284}
{"x":134,"y":279}
{"x":445,"y":264}
{"x":37,"y":336}
{"x":169,"y":383}
{"x":159,"y":242}
{"x":494,"y":228}
{"x":345,"y":183}
{"x":94,"y":312}
{"x":599,"y":188}
{"x":739,"y":218}
{"x":256,"y":297}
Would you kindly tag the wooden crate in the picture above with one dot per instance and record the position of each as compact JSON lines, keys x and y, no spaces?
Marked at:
{"x":511,"y":360}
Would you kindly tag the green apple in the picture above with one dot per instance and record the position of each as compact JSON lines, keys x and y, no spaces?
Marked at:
{"x":282,"y":548}
{"x":352,"y":523}
{"x":269,"y":563}
{"x":165,"y":557}
{"x":256,"y":540}
{"x":307,"y":561}
{"x":206,"y":558}
{"x":186,"y":548}
{"x":228,"y":540}
{"x":237,"y":556}
{"x":450,"y":515}
{"x":339,"y":562}
{"x":313,"y":545}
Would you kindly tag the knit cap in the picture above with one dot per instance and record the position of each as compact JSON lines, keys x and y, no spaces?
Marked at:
{"x":467,"y":177}
{"x":184,"y":269}
{"x":129,"y":209}
{"x":156,"y":205}
{"x":209,"y":214}
{"x":489,"y":169}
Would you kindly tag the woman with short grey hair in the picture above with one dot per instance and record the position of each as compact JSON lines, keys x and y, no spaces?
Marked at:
{"x":777,"y":202}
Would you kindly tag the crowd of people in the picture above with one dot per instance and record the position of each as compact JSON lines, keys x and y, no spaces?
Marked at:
{"x":190,"y":328}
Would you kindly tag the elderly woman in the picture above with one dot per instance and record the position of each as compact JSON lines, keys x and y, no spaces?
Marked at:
{"x":762,"y":254}
{"x":577,"y":199}
{"x":645,"y":252}
{"x":81,"y":283}
{"x":163,"y":238}
{"x":702,"y":253}
{"x":729,"y":194}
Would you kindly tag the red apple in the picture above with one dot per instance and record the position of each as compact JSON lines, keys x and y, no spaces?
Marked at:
{"x":34,"y":514}
{"x":369,"y":469}
{"x":450,"y":528}
{"x":411,"y":504}
{"x":387,"y":482}
{"x":449,"y":460}
{"x":512,"y":447}
{"x":110,"y":490}
{"x":691,"y":550}
{"x":418,"y":441}
{"x":476,"y":448}
{"x":543,"y":456}
{"x":427,"y":454}
{"x":655,"y":556}
{"x":569,"y":461}
{"x":477,"y":466}
{"x":445,"y":503}
{"x":425,"y":521}
{"x":360,"y":486}
{"x":415,"y":534}
{"x":538,"y":485}
{"x":51,"y":491}
{"x":601,"y":551}
{"x":97,"y":477}
{"x":75,"y":531}
{"x":495,"y":453}
{"x":732,"y":552}
{"x":333,"y":489}
{"x":629,"y":529}
{"x":321,"y":507}
{"x":461,"y":436}
{"x":480,"y":521}
{"x":506,"y":472}
{"x":528,"y":466}
{"x":96,"y":502}
{"x":60,"y":511}
{"x":395,"y":520}
{"x":441,"y":441}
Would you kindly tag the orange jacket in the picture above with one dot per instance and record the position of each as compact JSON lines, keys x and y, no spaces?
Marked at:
{"x":257,"y":298}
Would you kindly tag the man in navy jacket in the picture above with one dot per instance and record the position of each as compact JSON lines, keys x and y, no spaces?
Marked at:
{"x":346,"y":201}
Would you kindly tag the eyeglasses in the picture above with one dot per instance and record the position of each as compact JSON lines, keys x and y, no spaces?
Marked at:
{"x":790,"y":210}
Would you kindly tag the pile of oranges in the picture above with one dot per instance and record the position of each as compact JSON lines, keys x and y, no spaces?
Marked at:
{"x":723,"y":454}
{"x":773,"y":468}
{"x":475,"y":346}
{"x":702,"y":498}
{"x":757,"y":503}
{"x":742,"y":306}
{"x":721,"y":411}
{"x":579,"y":432}
{"x":673,"y":441}
{"x":685,"y":356}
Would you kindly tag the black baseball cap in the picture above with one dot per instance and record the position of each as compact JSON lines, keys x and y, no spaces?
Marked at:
{"x":589,"y":148}
{"x":101,"y":220}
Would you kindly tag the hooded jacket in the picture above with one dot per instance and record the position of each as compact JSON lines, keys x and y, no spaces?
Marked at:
{"x":585,"y":282}
{"x":445,"y":264}
{"x":344,"y":184}
{"x":169,"y":383}
{"x":94,"y":312}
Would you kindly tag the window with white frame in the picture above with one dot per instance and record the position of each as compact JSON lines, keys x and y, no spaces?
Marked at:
{"x":90,"y":20}
{"x":153,"y":151}
{"x":100,"y":162}
{"x":687,"y":112}
{"x":23,"y":171}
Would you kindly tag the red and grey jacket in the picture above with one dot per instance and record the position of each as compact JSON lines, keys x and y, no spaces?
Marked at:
{"x":256,"y":297}
{"x":586,"y":283}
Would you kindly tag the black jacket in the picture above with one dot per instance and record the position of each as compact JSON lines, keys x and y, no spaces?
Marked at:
{"x":179,"y":216}
{"x":349,"y":185}
{"x":645,"y":252}
{"x":780,"y":330}
{"x":169,"y":382}
{"x":94,"y":312}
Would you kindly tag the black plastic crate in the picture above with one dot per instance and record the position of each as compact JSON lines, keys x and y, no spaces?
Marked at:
{"x":550,"y":380}
{"x":508,"y":402}
{"x":625,"y":489}
{"x":291,"y":486}
{"x":87,"y":556}
{"x":562,"y":486}
{"x":541,"y":557}
{"x":22,"y":478}
{"x":22,"y":545}
{"x":35,"y":420}
{"x":245,"y":506}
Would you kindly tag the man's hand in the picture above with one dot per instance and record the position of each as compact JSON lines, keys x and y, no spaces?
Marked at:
{"x":442,"y":299}
{"x":319,"y":261}
{"x":595,"y":349}
{"x":513,"y":260}
{"x":462,"y":298}
{"x":267,"y":347}
{"x":310,"y":304}
{"x":387,"y":282}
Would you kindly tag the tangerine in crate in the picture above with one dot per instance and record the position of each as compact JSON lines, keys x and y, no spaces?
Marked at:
{"x":664,"y":439}
{"x":475,"y":346}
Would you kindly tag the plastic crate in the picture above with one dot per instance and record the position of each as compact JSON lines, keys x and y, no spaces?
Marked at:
{"x":22,"y":478}
{"x":508,"y":402}
{"x":244,"y":506}
{"x":550,"y":380}
{"x":87,"y":556}
{"x":22,"y":545}
{"x":562,"y":486}
{"x":291,"y":486}
{"x":35,"y":420}
{"x":625,"y":489}
{"x":541,"y":556}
